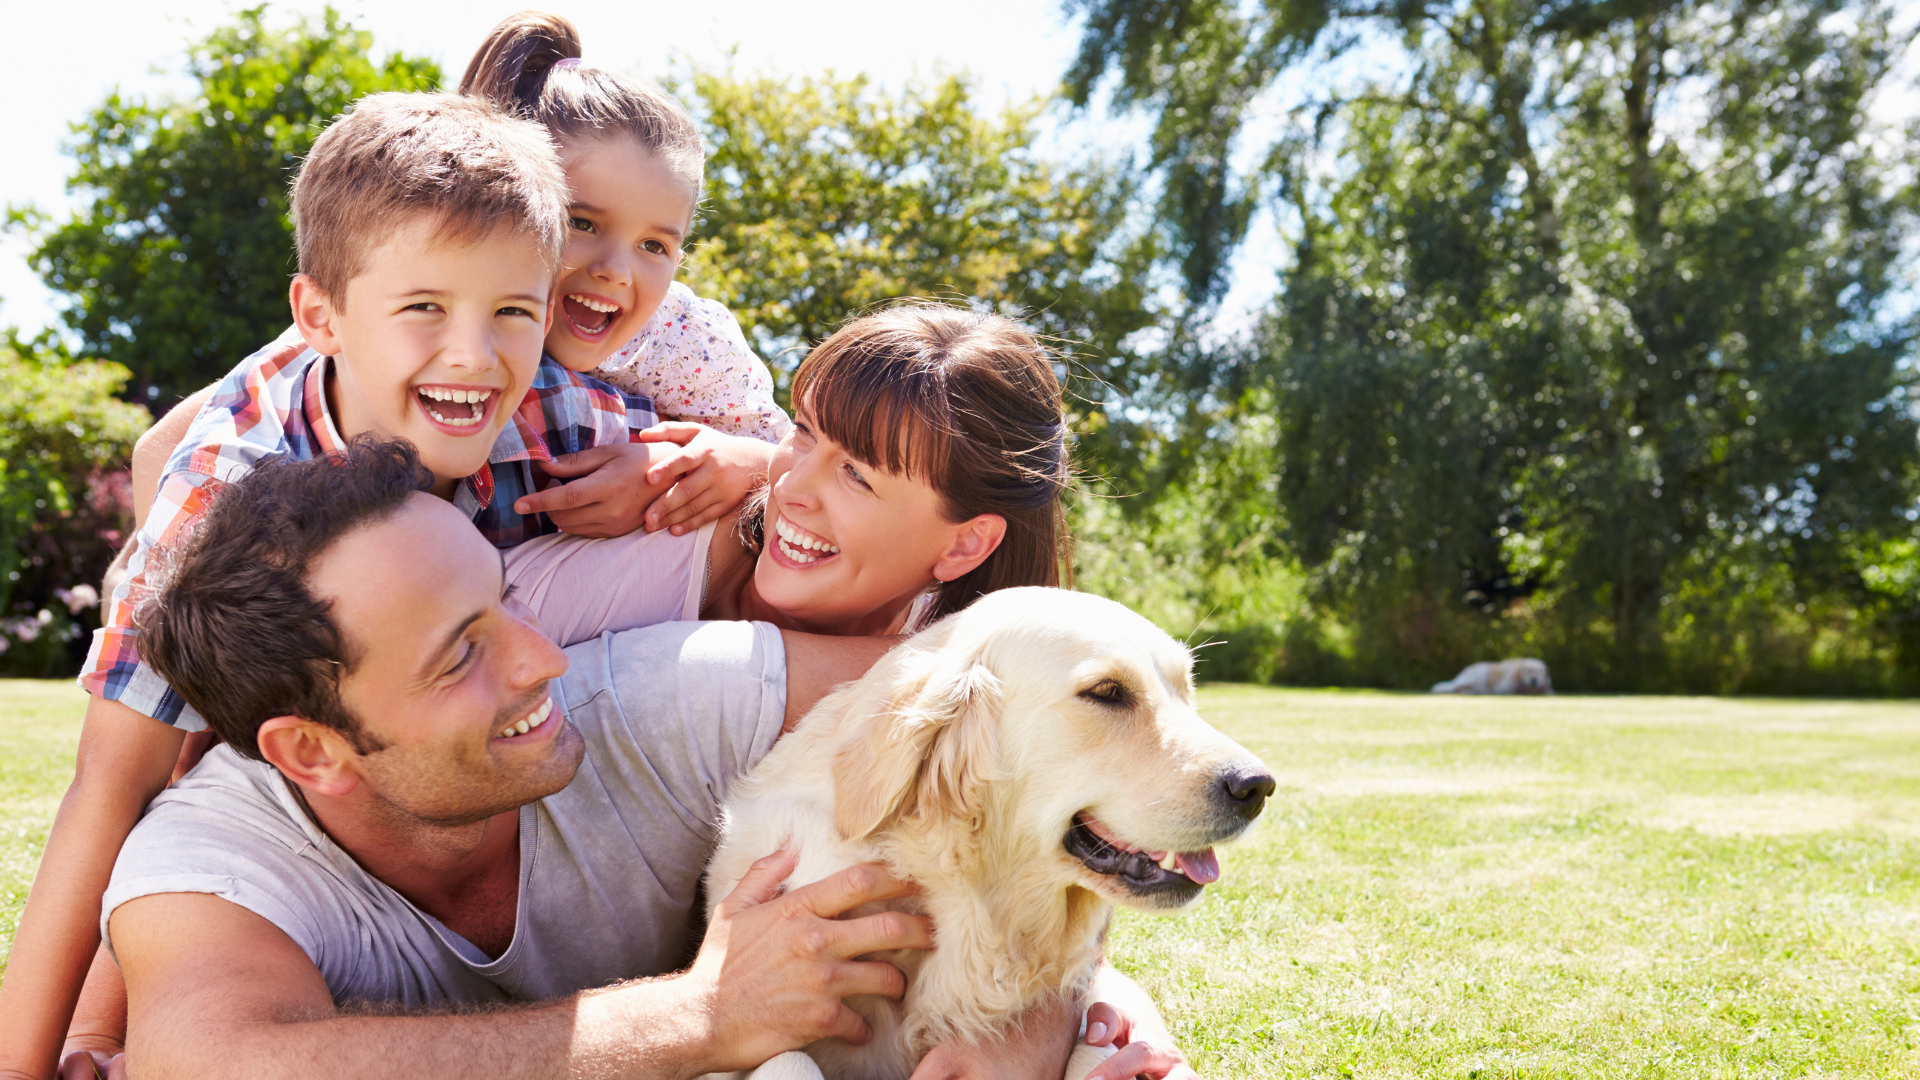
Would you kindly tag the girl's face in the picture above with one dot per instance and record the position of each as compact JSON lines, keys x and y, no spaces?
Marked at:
{"x":849,"y":545}
{"x":628,"y":220}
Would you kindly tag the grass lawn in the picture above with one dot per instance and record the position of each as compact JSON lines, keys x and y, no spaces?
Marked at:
{"x":1460,"y":887}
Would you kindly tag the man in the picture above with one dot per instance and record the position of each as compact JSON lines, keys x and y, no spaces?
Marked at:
{"x":422,"y":805}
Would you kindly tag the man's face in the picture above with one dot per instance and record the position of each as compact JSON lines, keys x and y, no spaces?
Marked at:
{"x":437,"y":343}
{"x":450,"y":673}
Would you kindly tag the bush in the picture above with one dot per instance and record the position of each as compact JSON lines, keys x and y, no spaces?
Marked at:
{"x":65,"y":502}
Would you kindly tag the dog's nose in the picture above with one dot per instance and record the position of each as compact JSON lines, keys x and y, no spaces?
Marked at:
{"x":1247,"y":789}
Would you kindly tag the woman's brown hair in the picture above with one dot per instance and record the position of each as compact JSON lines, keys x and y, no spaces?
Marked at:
{"x":965,"y":402}
{"x":518,"y":68}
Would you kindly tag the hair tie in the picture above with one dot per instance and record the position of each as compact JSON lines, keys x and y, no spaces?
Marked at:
{"x":569,"y":62}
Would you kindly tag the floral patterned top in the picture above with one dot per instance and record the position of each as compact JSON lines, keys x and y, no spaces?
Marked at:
{"x":694,"y":362}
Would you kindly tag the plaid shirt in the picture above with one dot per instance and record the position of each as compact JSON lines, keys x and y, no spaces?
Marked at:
{"x":275,"y":405}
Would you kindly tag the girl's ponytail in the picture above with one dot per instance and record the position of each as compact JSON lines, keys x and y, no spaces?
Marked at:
{"x":518,"y":68}
{"x":511,"y":67}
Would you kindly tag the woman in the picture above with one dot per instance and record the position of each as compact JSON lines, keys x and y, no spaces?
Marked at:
{"x":924,"y":468}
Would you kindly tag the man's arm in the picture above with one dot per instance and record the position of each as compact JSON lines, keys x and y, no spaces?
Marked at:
{"x":215,"y":990}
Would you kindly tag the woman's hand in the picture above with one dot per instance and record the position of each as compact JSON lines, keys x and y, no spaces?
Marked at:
{"x":711,"y":473}
{"x":1108,"y":1025}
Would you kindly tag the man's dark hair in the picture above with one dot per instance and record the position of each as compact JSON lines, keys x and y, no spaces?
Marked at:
{"x":230,"y":623}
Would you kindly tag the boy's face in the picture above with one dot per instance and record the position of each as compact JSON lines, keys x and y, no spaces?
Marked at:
{"x":435,"y":342}
{"x":627,"y":222}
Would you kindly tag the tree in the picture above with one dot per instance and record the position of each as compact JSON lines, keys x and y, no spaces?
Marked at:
{"x":826,"y":197}
{"x":178,"y":267}
{"x":1587,"y":343}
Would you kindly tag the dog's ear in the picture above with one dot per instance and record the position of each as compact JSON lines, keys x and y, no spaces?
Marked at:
{"x":925,"y":752}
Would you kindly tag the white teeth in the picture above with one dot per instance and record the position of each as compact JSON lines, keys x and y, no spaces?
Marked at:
{"x":591,"y":304}
{"x":1171,"y":862}
{"x":530,"y":721}
{"x":792,"y":538}
{"x":461,"y":397}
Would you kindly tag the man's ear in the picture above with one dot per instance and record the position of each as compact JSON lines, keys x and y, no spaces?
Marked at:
{"x":311,"y":755}
{"x":972,"y":542}
{"x":313,"y":312}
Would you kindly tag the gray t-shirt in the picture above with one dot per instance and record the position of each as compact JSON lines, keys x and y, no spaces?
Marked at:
{"x":609,"y":867}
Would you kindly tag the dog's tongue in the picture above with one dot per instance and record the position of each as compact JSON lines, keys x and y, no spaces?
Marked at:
{"x":1201,"y":866}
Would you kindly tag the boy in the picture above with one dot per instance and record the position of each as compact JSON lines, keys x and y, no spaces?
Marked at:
{"x":429,"y":231}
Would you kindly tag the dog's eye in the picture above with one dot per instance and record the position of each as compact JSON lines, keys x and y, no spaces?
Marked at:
{"x":1106,"y":692}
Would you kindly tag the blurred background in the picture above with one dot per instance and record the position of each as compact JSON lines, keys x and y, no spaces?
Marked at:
{"x":1398,"y":335}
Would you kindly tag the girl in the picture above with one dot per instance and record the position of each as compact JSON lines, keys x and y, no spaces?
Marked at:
{"x":634,"y":160}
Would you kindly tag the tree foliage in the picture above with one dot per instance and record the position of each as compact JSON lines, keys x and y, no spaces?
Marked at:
{"x":1586,"y":346}
{"x":827,"y":197}
{"x":178,"y":266}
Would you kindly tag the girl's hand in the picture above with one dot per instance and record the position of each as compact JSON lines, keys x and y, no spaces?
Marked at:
{"x":711,"y":474}
{"x":610,"y":496}
{"x":1109,"y":1026}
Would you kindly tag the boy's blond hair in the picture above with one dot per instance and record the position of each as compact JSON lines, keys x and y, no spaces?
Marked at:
{"x":395,"y":157}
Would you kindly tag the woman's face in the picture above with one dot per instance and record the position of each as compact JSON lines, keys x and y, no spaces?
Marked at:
{"x":848,"y":543}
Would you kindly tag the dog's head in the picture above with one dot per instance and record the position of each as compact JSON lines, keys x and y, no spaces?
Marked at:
{"x":1058,"y":730}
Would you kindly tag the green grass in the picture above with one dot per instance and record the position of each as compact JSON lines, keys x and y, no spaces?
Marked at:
{"x":1459,"y":887}
{"x":39,"y":727}
{"x":1560,"y":887}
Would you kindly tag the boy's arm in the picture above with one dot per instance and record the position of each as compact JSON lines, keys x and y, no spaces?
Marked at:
{"x":155,"y":447}
{"x":124,"y":761}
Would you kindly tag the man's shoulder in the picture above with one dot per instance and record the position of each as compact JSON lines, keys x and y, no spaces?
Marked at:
{"x":258,"y":410}
{"x":229,"y":804}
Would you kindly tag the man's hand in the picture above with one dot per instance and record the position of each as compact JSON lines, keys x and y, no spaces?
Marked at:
{"x":1110,"y":1026}
{"x":610,"y":496}
{"x":773,"y":968}
{"x":711,"y":474}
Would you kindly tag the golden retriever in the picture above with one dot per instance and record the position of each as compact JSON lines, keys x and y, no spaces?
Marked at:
{"x":1029,"y":762}
{"x":1525,"y":676}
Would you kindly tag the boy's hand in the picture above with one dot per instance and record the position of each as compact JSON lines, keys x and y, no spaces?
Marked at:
{"x":711,"y":474}
{"x":610,"y":498}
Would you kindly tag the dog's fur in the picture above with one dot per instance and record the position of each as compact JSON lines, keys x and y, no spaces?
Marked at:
{"x":1526,"y":676}
{"x":961,"y":761}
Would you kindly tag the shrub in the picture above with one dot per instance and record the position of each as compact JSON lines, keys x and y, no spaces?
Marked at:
{"x":65,"y":501}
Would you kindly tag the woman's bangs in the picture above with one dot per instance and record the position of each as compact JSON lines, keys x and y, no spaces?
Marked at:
{"x":887,"y":414}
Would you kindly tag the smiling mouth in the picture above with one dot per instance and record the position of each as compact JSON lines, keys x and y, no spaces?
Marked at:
{"x":589,"y":316}
{"x":799,"y":546}
{"x":528,"y":723}
{"x":456,"y":407}
{"x":1176,"y":875}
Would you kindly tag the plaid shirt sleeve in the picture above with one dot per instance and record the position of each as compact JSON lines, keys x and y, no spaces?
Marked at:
{"x":564,"y":412}
{"x":258,"y":411}
{"x":113,"y":669}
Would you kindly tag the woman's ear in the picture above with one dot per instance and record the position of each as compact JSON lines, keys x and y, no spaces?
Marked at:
{"x":311,"y":755}
{"x":313,"y":312}
{"x":973,"y":541}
